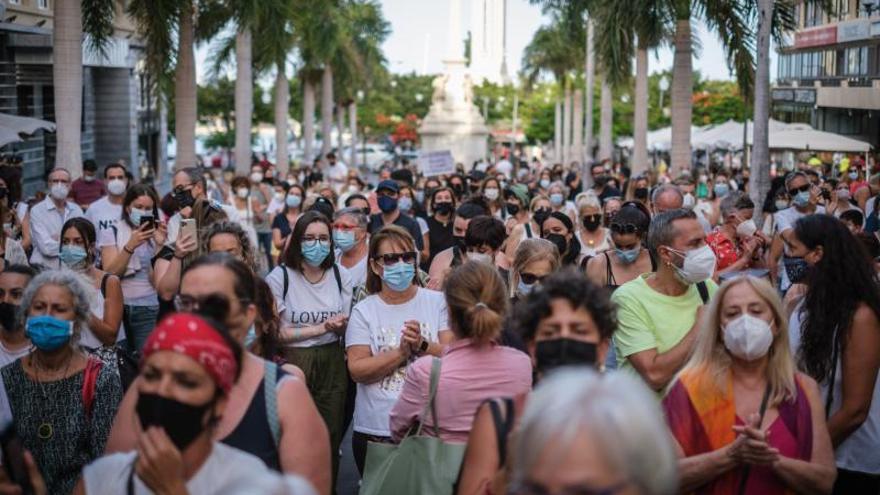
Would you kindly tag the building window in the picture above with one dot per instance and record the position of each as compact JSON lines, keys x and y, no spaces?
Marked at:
{"x":15,"y":2}
{"x":856,"y":61}
{"x":813,"y":14}
{"x":43,"y":4}
{"x":841,"y":8}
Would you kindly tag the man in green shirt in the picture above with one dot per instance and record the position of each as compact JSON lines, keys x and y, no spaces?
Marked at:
{"x":658,"y":313}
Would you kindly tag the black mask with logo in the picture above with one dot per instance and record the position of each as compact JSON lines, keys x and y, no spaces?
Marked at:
{"x":592,"y":222}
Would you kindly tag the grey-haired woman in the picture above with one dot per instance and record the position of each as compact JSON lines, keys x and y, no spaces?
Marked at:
{"x":59,"y":401}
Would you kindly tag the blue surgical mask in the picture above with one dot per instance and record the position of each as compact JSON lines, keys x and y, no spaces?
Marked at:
{"x":136,"y":214}
{"x":250,"y":338}
{"x":853,"y":175}
{"x":293,"y":201}
{"x":344,"y":239}
{"x":420,"y":195}
{"x":48,"y":333}
{"x":628,"y":256}
{"x":544,"y":183}
{"x":405,"y":203}
{"x":524,"y":289}
{"x":721,"y":189}
{"x":73,"y":256}
{"x":556,"y":199}
{"x":801,"y":199}
{"x":315,"y":252}
{"x":398,"y":276}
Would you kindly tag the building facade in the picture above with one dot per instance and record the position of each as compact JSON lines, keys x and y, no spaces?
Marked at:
{"x":119,"y":118}
{"x":828,"y":74}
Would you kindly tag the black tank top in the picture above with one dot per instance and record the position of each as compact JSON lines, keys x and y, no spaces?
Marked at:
{"x":610,"y":283}
{"x":253,"y":433}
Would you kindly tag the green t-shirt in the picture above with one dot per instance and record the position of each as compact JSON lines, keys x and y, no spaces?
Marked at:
{"x":648,"y":319}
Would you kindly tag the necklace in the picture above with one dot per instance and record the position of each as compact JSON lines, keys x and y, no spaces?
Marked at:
{"x":45,"y":430}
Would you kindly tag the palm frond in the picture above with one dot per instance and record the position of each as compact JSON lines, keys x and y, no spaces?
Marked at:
{"x":97,"y":22}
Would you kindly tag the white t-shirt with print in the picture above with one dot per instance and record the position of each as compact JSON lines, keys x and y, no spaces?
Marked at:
{"x":378,"y":325}
{"x":103,"y":214}
{"x":9,"y":356}
{"x":309,"y":304}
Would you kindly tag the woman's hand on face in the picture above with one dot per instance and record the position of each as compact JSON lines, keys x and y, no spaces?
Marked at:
{"x":159,"y":464}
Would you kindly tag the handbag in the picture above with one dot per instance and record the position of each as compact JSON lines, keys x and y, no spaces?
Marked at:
{"x":418,"y":464}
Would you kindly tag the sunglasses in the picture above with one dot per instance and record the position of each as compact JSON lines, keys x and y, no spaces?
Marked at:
{"x":531,"y":278}
{"x":392,"y":258}
{"x":803,"y":188}
{"x":624,"y":228}
{"x":215,"y":306}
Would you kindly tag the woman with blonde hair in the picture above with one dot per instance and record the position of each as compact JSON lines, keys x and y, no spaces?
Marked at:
{"x":534,"y":260}
{"x":745,"y":421}
{"x":594,"y":238}
{"x":477,"y":305}
{"x":540,"y":209}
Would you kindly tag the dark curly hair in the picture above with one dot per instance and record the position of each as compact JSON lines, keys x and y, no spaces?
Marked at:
{"x":571,"y":285}
{"x":836,"y":286}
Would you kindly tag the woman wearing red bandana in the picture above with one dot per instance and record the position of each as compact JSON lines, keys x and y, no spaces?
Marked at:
{"x":187,"y":370}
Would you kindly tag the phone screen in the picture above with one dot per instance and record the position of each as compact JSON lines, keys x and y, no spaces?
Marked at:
{"x":149,"y":221}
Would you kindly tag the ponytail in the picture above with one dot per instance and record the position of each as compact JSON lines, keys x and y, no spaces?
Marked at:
{"x":477,"y":301}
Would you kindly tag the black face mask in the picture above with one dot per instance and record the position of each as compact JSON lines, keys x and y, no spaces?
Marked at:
{"x":554,"y":353}
{"x":3,"y":192}
{"x":512,"y":209}
{"x":459,"y":242}
{"x":560,"y":241}
{"x":592,"y":222}
{"x":457,"y":189}
{"x":797,"y":269}
{"x":184,"y":199}
{"x":183,"y":423}
{"x":641,"y":193}
{"x":541,"y":214}
{"x":9,"y":316}
{"x":443,"y":208}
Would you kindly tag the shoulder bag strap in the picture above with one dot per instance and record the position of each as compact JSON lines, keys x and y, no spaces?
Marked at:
{"x":503,"y":423}
{"x":90,"y":384}
{"x":270,"y":381}
{"x":704,"y":292}
{"x":338,"y":278}
{"x":829,"y":397}
{"x":528,"y":230}
{"x":286,"y":282}
{"x":430,"y":407}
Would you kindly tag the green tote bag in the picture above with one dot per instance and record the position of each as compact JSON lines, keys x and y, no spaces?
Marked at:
{"x":419,"y":464}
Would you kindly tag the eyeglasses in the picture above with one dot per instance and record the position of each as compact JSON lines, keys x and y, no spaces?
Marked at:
{"x":392,"y":258}
{"x":216,"y":306}
{"x":311,"y":240}
{"x":624,"y":228}
{"x":531,"y":278}
{"x":181,"y":188}
{"x":803,"y":188}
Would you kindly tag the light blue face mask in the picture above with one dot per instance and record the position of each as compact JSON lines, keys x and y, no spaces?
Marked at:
{"x":524,"y":289}
{"x":315,"y":252}
{"x":73,"y":256}
{"x":405,"y":203}
{"x":398,"y":276}
{"x":136,"y":214}
{"x":628,"y":256}
{"x":556,"y":199}
{"x":48,"y":333}
{"x":293,"y":201}
{"x":721,"y":189}
{"x":250,"y":338}
{"x":801,"y":199}
{"x":344,"y":239}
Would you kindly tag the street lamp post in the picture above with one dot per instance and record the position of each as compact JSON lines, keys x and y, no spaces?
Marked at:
{"x":486,"y":108}
{"x":513,"y":131}
{"x":664,"y":86}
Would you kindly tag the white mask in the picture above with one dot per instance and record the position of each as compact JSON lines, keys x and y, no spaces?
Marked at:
{"x":491,"y":194}
{"x":116,"y":186}
{"x":748,"y":337}
{"x":242,"y":193}
{"x":59,"y":191}
{"x":747,"y":228}
{"x":689,"y":201}
{"x":481,"y":257}
{"x":256,"y":177}
{"x":699,"y":265}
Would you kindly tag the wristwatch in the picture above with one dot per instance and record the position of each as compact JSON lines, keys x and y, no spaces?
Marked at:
{"x":423,"y":347}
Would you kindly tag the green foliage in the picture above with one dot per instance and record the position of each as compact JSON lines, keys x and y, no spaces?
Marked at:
{"x":97,"y":22}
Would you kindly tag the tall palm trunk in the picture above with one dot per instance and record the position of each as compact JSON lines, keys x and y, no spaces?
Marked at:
{"x":557,"y":130}
{"x":185,"y":93}
{"x":566,"y":123}
{"x":308,"y":121}
{"x":759,"y":178}
{"x":326,"y":109}
{"x":352,"y":126}
{"x":244,"y":100}
{"x":640,"y":119}
{"x":590,"y":83}
{"x":577,"y":127}
{"x":67,"y":72}
{"x":340,"y":126}
{"x":682,"y":92}
{"x":606,"y":120}
{"x":282,"y":97}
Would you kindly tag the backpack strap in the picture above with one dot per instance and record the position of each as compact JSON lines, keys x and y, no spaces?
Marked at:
{"x":90,"y":384}
{"x":528,"y":226}
{"x":704,"y":292}
{"x":270,"y":381}
{"x":286,"y":281}
{"x":338,"y":278}
{"x":503,"y":424}
{"x":104,"y":285}
{"x":584,"y":262}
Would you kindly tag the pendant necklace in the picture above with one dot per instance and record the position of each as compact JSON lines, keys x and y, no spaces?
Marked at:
{"x":45,"y":431}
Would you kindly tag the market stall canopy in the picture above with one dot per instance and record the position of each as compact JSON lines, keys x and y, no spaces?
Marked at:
{"x":11,"y":126}
{"x":813,"y":140}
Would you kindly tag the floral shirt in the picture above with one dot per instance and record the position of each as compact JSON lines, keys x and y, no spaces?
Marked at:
{"x":726,"y":251}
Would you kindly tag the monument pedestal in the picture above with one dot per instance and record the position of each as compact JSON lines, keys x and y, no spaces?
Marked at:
{"x":454,"y":123}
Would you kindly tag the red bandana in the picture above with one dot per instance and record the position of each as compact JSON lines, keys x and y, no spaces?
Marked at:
{"x":192,"y":336}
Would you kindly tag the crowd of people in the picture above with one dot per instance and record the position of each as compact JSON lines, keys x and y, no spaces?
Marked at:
{"x":561,"y":333}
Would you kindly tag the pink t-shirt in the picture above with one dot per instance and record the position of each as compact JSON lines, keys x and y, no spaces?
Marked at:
{"x":470,"y":375}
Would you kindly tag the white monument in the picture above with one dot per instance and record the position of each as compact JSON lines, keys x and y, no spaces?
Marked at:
{"x":454,"y":123}
{"x":488,"y":41}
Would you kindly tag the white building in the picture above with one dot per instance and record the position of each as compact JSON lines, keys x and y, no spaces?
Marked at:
{"x":488,"y":41}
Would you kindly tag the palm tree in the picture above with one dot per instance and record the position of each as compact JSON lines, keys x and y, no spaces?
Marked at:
{"x":72,"y":19}
{"x":158,"y":21}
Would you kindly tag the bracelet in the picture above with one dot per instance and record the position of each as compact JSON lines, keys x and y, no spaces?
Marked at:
{"x":129,"y":251}
{"x":179,"y":257}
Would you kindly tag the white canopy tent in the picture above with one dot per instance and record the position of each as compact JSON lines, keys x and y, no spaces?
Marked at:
{"x":11,"y":126}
